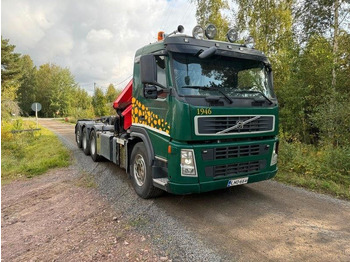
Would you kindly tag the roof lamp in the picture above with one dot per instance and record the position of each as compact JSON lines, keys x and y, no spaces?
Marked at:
{"x":198,"y":32}
{"x":160,"y":35}
{"x":249,"y":42}
{"x":210,"y":31}
{"x":180,"y":29}
{"x":232,"y":35}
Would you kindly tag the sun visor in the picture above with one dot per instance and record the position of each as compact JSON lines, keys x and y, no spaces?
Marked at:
{"x":194,"y":46}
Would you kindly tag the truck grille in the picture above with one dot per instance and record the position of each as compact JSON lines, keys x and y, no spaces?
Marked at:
{"x":235,"y":169}
{"x":234,"y":152}
{"x":216,"y":125}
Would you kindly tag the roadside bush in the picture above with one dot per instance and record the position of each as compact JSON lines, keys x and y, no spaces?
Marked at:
{"x":28,"y":154}
{"x":323,"y":169}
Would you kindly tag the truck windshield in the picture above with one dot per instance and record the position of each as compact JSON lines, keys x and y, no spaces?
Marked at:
{"x":233,"y":76}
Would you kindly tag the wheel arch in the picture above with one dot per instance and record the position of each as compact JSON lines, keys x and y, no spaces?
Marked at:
{"x":140,"y":135}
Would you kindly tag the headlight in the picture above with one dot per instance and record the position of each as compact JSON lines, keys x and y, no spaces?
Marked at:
{"x":210,"y":31}
{"x":274,"y":155}
{"x":198,"y":32}
{"x":188,"y":165}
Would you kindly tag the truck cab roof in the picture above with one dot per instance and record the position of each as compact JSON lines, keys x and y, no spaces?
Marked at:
{"x":187,"y":44}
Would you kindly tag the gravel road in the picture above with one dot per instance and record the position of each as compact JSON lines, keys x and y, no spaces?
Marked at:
{"x":266,"y":221}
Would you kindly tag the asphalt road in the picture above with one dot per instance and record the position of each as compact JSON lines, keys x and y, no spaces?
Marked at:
{"x":266,"y":221}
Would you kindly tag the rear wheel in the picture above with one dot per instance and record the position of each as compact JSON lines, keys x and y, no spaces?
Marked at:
{"x":141,"y":173}
{"x":93,"y":147}
{"x":86,"y":146}
{"x":78,"y":138}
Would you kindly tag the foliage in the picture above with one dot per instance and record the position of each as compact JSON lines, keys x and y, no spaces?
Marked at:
{"x":111,"y":96}
{"x":111,"y":93}
{"x":26,"y":93}
{"x":99,"y":103}
{"x":313,"y":17}
{"x":56,"y":87}
{"x":20,"y":151}
{"x":322,"y":169}
{"x":10,"y":78}
{"x":210,"y":12}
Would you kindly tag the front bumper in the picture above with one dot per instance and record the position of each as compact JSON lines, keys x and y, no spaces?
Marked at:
{"x":183,"y":189}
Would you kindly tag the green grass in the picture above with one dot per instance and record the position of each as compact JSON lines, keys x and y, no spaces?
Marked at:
{"x":322,"y":169}
{"x":29,"y":154}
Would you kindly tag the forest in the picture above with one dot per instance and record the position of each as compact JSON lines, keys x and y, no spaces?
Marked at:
{"x":308,"y":44}
{"x":54,"y":87}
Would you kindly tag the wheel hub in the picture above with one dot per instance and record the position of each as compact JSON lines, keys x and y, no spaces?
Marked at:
{"x":92,"y":149}
{"x":139,"y":170}
{"x":78,"y":136}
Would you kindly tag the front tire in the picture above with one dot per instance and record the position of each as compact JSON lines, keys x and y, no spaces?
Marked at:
{"x":93,"y":147}
{"x":86,"y":146}
{"x":141,"y":173}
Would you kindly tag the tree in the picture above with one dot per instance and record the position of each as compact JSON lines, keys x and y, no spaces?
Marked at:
{"x":210,"y":12}
{"x":55,"y":90}
{"x":10,"y":78}
{"x":99,"y":103}
{"x":312,"y":17}
{"x":26,"y":93}
{"x":111,"y":93}
{"x":307,"y":89}
{"x":270,"y":22}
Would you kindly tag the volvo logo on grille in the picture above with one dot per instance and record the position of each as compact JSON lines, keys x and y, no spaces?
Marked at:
{"x":239,"y":124}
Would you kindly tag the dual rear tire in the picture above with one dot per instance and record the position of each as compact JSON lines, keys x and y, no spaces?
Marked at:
{"x":89,"y":146}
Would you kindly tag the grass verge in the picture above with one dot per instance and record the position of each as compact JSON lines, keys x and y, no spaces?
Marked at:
{"x":28,"y":154}
{"x":322,"y":169}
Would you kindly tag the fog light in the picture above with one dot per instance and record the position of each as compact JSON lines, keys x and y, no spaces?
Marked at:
{"x":188,"y":166}
{"x":249,"y":42}
{"x":232,"y":35}
{"x":198,"y":32}
{"x":210,"y":31}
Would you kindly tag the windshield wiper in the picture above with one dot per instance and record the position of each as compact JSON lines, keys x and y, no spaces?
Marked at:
{"x":206,"y":88}
{"x":255,"y":92}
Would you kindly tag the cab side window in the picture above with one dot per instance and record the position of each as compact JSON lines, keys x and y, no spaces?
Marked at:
{"x":161,"y":77}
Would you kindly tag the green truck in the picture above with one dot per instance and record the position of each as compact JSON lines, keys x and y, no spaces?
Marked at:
{"x":198,"y":115}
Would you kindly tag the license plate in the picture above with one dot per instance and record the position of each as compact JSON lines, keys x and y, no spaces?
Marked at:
{"x":238,"y":181}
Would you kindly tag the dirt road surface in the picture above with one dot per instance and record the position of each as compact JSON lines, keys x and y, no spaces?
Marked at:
{"x":266,"y":221}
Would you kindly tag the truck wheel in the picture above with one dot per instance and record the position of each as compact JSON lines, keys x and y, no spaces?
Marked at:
{"x":93,"y":147}
{"x":141,"y":173}
{"x":86,"y":146}
{"x":78,"y":138}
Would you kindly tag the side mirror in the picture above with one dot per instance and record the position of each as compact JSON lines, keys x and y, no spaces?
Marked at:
{"x":148,"y":69}
{"x":150,"y":91}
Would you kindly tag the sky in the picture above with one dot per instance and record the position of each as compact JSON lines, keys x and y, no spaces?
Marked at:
{"x":95,"y":39}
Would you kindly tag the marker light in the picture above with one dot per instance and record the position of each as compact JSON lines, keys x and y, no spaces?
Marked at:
{"x":198,"y":32}
{"x":188,"y":166}
{"x":210,"y":31}
{"x":232,"y":35}
{"x":249,"y":42}
{"x":160,"y":35}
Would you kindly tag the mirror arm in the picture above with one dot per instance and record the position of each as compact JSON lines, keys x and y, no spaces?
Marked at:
{"x":157,"y":84}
